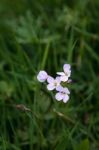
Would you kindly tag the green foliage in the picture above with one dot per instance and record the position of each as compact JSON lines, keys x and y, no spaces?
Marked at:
{"x":84,"y":145}
{"x":45,"y":35}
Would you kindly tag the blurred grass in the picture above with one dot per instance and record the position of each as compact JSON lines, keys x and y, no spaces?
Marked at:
{"x":45,"y":35}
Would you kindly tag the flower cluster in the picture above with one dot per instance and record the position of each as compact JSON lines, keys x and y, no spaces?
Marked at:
{"x":58,"y":82}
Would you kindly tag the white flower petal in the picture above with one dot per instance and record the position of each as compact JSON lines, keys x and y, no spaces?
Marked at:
{"x":40,"y":79}
{"x":68,"y":73}
{"x":64,"y":78}
{"x":59,"y":96}
{"x":50,"y":79}
{"x":42,"y":76}
{"x":66,"y":67}
{"x":61,"y":73}
{"x":50,"y":87}
{"x":66,"y":98}
{"x":59,"y":88}
{"x":66,"y":90}
{"x":58,"y":79}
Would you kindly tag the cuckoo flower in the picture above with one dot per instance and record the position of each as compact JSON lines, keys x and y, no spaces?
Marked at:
{"x":66,"y":74}
{"x":63,"y":94}
{"x":53,"y":83}
{"x":42,"y":76}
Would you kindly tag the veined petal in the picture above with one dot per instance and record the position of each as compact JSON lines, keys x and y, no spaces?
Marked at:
{"x":50,"y":79}
{"x":66,"y":67}
{"x":64,"y":78}
{"x":66,"y":98}
{"x":50,"y":87}
{"x":59,"y":96}
{"x":61,"y":73}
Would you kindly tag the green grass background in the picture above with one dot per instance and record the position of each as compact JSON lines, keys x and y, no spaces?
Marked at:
{"x":45,"y":34}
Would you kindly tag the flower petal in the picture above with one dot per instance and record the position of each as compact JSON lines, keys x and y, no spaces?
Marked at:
{"x":66,"y":90}
{"x":59,"y":88}
{"x":66,"y":98}
{"x":59,"y":96}
{"x":64,"y":78}
{"x":50,"y":79}
{"x":61,"y":73}
{"x":42,"y":76}
{"x":68,"y":73}
{"x":66,"y":67}
{"x":58,"y":79}
{"x":70,"y":80}
{"x":50,"y":87}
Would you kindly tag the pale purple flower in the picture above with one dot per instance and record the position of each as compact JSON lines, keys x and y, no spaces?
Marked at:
{"x":53,"y":83}
{"x":66,"y":74}
{"x":42,"y":76}
{"x":63,"y":94}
